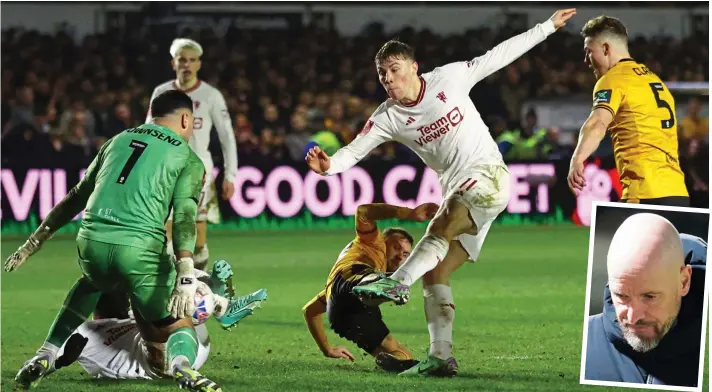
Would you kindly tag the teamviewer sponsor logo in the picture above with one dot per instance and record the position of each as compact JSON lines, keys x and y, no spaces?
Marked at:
{"x":443,"y":125}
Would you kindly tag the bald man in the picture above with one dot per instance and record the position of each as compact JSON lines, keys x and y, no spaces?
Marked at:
{"x":650,"y":328}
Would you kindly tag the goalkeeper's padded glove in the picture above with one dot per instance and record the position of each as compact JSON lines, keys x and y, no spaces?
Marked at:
{"x":182,"y":302}
{"x":29,"y":248}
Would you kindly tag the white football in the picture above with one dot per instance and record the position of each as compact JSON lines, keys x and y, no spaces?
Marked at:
{"x":204,"y":308}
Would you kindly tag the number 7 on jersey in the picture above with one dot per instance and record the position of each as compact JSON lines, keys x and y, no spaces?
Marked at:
{"x":138,"y":149}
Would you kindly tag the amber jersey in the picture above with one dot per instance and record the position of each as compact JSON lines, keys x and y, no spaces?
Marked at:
{"x":643,"y":130}
{"x":367,"y":249}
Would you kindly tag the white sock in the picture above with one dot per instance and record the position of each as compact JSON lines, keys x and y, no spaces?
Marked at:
{"x":179,"y":360}
{"x":440,"y":314}
{"x":430,"y":251}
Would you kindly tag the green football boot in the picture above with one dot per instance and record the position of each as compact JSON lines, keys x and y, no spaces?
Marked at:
{"x":241,"y":307}
{"x":433,"y":366}
{"x":381,"y":290}
{"x":221,"y":279}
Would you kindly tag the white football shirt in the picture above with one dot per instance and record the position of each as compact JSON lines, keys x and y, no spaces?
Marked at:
{"x":442,"y":126}
{"x":116,"y":350}
{"x":209,"y":109}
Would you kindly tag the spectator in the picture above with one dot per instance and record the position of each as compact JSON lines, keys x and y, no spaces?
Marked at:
{"x":23,"y":112}
{"x":694,"y":126}
{"x":119,"y":120}
{"x":78,"y":112}
{"x":298,"y":137}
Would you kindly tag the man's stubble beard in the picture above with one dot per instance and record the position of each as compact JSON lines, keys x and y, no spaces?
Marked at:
{"x":645,"y":345}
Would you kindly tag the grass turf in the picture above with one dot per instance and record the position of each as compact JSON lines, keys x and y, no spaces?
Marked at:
{"x":518,"y":325}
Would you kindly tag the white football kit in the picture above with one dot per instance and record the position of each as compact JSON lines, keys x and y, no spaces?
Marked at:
{"x":116,"y":350}
{"x":209,"y":109}
{"x":445,"y":130}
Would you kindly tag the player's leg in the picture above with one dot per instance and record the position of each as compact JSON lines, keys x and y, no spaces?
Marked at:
{"x":440,"y":313}
{"x":207,"y":212}
{"x":201,"y":255}
{"x":240,"y":307}
{"x":77,"y":307}
{"x":390,"y":345}
{"x":475,"y":201}
{"x":392,"y":356}
{"x":172,"y":343}
{"x":363,"y":324}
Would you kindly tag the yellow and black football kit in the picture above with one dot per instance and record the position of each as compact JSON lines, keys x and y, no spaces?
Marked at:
{"x":348,"y":316}
{"x":644,"y":133}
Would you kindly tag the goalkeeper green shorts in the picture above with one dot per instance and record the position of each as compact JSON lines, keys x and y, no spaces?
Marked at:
{"x":147,"y":276}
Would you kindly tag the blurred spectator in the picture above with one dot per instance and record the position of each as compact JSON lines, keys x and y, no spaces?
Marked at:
{"x":118,"y":120}
{"x":68,"y":154}
{"x":695,"y":163}
{"x":282,"y":85}
{"x":513,"y":92}
{"x":298,"y":137}
{"x":79,"y":113}
{"x":271,"y":145}
{"x":529,"y":142}
{"x":247,"y":142}
{"x":23,"y":112}
{"x":23,"y":147}
{"x":694,"y":126}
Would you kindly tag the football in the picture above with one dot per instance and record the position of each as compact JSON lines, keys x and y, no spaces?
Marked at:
{"x":204,"y":307}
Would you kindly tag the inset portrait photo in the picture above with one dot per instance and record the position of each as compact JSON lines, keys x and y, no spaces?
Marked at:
{"x":645,"y":297}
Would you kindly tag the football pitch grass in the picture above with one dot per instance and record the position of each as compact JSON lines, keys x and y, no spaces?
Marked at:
{"x":518,"y":325}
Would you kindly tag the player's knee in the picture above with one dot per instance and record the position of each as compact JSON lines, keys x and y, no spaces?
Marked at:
{"x":440,"y":226}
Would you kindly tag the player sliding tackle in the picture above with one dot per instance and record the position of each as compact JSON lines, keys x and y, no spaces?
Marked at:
{"x":372,"y":252}
{"x":127,"y":192}
{"x":433,"y":115}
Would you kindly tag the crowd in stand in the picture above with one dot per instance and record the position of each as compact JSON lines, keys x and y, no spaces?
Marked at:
{"x":62,"y":99}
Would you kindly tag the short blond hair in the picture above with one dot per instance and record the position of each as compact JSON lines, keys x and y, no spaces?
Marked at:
{"x":183,"y":43}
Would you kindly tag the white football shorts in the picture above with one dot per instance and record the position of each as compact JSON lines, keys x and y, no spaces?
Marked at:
{"x":484,"y":190}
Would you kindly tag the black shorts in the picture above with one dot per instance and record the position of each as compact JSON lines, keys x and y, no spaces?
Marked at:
{"x":350,"y":318}
{"x":674,"y":201}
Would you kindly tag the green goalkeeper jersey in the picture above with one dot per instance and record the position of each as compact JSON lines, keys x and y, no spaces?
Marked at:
{"x":138,"y":176}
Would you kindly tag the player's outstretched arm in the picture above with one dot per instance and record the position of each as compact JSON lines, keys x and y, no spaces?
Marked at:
{"x":60,"y":215}
{"x":590,"y":136}
{"x":368,"y":214}
{"x":313,"y":312}
{"x":373,"y":135}
{"x":506,"y":52}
